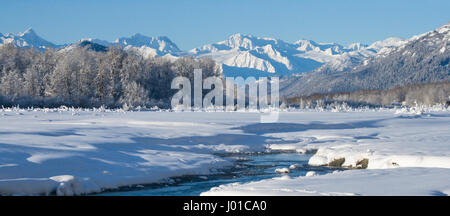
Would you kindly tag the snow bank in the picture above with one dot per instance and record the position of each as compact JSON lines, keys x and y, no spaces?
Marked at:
{"x":376,"y":140}
{"x":310,"y":173}
{"x":282,"y":170}
{"x":401,"y":181}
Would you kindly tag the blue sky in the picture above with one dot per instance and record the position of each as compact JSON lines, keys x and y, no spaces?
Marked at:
{"x":191,"y":23}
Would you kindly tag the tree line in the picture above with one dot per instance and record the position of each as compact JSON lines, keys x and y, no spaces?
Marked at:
{"x":409,"y":95}
{"x":82,"y":77}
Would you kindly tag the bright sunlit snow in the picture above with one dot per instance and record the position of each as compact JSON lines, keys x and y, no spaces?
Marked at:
{"x":71,"y":151}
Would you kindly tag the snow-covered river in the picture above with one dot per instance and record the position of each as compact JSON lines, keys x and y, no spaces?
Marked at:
{"x":247,"y":168}
{"x":76,"y":152}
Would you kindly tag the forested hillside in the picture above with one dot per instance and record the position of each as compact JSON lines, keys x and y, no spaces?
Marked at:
{"x":423,"y":59}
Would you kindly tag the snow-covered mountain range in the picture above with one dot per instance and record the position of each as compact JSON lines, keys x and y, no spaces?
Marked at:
{"x":243,"y":55}
{"x":276,"y":57}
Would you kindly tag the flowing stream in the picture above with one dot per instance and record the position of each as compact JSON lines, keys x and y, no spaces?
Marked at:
{"x":248,"y":167}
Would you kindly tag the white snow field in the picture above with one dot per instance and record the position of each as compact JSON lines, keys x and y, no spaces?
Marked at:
{"x":74,"y":151}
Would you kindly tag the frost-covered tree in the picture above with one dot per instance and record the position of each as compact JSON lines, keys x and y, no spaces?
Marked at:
{"x":134,"y":95}
{"x":11,"y":84}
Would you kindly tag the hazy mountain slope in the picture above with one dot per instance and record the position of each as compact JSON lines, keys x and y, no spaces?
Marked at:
{"x":421,"y":59}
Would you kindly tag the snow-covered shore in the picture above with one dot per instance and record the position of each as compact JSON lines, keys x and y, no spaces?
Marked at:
{"x":69,"y":152}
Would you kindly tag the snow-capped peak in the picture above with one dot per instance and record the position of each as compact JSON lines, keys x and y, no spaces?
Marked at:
{"x":328,"y":48}
{"x":356,"y":46}
{"x":249,"y":41}
{"x":388,"y":42}
{"x":305,"y":45}
{"x":28,"y":38}
{"x":85,"y":39}
{"x":444,"y":29}
{"x":239,"y":40}
{"x":30,"y":31}
{"x":162,"y":43}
